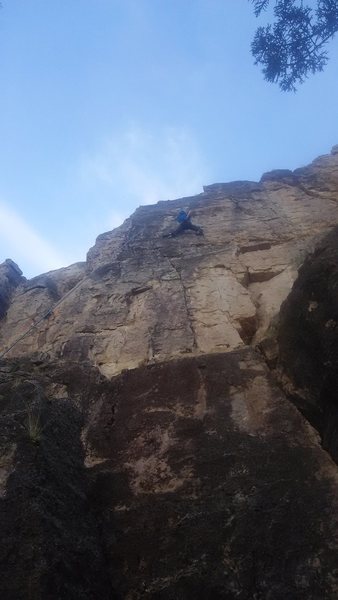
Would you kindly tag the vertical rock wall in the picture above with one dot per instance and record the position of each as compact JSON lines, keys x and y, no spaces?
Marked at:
{"x":143,"y":298}
{"x":145,"y":450}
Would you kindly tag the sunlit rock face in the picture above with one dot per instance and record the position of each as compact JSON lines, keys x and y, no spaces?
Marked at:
{"x":146,"y":450}
{"x":142,"y":298}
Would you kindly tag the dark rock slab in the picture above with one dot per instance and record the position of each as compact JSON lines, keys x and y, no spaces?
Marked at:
{"x":308,"y":340}
{"x":10,"y":278}
{"x":50,"y":547}
{"x":212,"y":485}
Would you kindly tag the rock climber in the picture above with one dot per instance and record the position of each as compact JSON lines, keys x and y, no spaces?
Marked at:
{"x":184,"y":222}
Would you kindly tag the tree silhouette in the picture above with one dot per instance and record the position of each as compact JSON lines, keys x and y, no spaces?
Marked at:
{"x":295,"y":45}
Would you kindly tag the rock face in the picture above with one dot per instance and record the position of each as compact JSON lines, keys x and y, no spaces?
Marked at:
{"x":10,"y":278}
{"x":189,"y":479}
{"x":146,"y":450}
{"x":50,"y":543}
{"x":308,"y":341}
{"x":141,"y":298}
{"x":218,"y":487}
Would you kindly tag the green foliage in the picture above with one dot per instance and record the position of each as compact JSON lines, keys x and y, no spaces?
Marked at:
{"x":294,"y":46}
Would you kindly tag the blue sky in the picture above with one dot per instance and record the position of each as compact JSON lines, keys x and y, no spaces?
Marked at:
{"x":109,"y":104}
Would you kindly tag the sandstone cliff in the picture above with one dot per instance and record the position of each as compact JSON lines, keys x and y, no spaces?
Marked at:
{"x":144,"y":436}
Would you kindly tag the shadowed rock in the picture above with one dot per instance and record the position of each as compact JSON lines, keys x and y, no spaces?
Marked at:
{"x":10,"y":278}
{"x":308,"y":340}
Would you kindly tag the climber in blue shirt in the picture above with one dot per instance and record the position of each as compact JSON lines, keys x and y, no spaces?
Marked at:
{"x":184,"y":222}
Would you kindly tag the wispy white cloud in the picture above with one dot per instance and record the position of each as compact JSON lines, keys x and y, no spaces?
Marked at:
{"x":26,"y":246}
{"x":143,"y":167}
